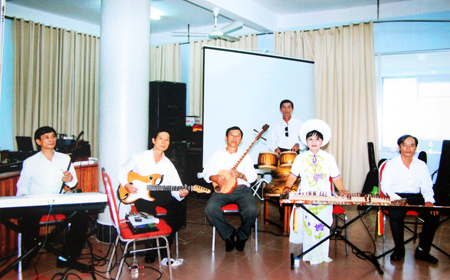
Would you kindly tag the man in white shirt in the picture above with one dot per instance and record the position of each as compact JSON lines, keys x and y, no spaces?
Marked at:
{"x":45,"y":173}
{"x":151,"y":162}
{"x":284,"y":134}
{"x":218,"y":170}
{"x":407,"y":177}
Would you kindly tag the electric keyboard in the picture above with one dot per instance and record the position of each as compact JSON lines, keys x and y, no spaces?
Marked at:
{"x":58,"y":202}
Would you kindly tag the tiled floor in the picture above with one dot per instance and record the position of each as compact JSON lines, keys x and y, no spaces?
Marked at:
{"x":272,"y":260}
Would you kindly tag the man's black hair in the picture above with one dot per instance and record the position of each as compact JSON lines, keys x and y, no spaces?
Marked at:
{"x":234,"y":128}
{"x":403,"y":138}
{"x":286,"y":101}
{"x":43,"y":130}
{"x":159,"y":131}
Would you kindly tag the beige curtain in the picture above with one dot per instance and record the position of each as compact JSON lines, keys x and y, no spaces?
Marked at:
{"x":345,"y":90}
{"x":165,"y":63}
{"x":56,"y":74}
{"x":248,"y":43}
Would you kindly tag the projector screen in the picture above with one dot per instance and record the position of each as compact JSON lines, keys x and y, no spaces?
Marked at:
{"x":245,"y":89}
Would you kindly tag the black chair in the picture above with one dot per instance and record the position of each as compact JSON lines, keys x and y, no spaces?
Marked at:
{"x":423,"y":156}
{"x":442,"y":185}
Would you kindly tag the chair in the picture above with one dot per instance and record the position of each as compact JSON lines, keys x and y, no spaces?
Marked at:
{"x":160,"y":211}
{"x":233,"y":208}
{"x":125,"y":235}
{"x":340,"y":215}
{"x":382,"y":214}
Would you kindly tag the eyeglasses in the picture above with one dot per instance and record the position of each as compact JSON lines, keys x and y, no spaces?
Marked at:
{"x":287,"y":131}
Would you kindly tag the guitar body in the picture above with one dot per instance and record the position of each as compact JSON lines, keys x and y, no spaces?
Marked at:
{"x":145,"y":184}
{"x":229,"y":186}
{"x":143,"y":193}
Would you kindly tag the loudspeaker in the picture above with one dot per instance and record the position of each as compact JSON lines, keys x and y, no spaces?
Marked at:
{"x":442,"y":186}
{"x":167,"y":110}
{"x":177,"y":153}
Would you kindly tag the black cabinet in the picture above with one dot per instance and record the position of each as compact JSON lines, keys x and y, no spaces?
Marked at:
{"x":167,"y":110}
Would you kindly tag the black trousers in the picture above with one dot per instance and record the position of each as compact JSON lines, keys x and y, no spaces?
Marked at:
{"x":77,"y":222}
{"x":396,"y":219}
{"x":176,"y":213}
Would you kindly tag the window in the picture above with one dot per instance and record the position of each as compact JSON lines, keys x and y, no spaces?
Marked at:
{"x":415,"y":96}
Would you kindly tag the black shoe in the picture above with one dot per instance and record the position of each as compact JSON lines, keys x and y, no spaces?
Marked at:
{"x":150,"y":258}
{"x":425,"y":256}
{"x":397,"y":255}
{"x":229,"y":242}
{"x":81,"y":267}
{"x":240,"y":244}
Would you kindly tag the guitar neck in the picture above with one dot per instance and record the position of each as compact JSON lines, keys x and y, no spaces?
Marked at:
{"x":168,"y":188}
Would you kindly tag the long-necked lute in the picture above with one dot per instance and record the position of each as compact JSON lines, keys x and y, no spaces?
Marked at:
{"x":231,"y":181}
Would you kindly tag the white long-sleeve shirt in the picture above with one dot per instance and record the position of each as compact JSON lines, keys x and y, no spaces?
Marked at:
{"x":143,"y":163}
{"x":223,"y":160}
{"x":42,"y":176}
{"x":397,"y":178}
{"x":278,"y":138}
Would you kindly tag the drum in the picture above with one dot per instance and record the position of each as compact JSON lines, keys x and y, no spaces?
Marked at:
{"x":275,"y":188}
{"x":287,"y":158}
{"x":267,"y":161}
{"x":281,"y":173}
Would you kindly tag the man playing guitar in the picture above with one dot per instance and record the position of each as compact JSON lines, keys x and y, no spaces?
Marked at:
{"x":241,"y":195}
{"x":155,"y":162}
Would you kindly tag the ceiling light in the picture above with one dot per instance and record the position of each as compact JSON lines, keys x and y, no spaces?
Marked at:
{"x":155,"y":14}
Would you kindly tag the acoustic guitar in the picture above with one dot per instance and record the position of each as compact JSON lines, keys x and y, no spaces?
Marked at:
{"x":145,"y":184}
{"x":231,"y":181}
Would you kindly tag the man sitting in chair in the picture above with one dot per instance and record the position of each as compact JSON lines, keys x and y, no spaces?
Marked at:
{"x":408,"y":177}
{"x":151,"y":162}
{"x":45,"y":173}
{"x":245,"y":173}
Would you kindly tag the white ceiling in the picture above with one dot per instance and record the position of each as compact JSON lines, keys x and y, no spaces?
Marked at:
{"x":260,"y":15}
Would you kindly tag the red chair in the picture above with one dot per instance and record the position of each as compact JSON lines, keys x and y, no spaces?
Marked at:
{"x":233,"y":208}
{"x":125,"y":235}
{"x":339,"y":215}
{"x":381,"y":217}
{"x":160,"y":211}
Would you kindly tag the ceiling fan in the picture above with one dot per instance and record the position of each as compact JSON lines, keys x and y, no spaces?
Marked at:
{"x":216,"y":33}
